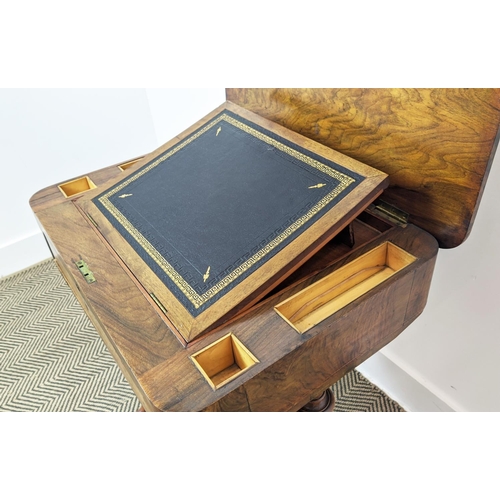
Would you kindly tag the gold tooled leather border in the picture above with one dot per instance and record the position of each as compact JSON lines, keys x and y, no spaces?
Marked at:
{"x":196,"y":299}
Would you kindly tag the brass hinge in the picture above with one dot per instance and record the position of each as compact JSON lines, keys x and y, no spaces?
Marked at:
{"x":86,"y":272}
{"x":390,"y":212}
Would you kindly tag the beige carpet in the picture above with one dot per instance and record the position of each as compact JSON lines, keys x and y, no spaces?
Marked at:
{"x":53,"y":360}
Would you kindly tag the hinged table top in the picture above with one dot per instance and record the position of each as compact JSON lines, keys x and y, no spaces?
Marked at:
{"x":437,"y":145}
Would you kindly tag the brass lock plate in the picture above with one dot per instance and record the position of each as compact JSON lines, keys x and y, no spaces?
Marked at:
{"x":86,"y":272}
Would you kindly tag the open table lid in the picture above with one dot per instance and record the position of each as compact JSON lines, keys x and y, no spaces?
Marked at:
{"x":214,"y":219}
{"x":437,"y":145}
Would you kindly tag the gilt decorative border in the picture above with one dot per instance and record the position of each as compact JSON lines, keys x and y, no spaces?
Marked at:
{"x":196,"y":299}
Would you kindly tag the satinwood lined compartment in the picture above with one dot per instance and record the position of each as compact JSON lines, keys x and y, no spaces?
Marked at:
{"x":330,"y":294}
{"x":128,"y":164}
{"x":223,"y":360}
{"x":77,"y":186}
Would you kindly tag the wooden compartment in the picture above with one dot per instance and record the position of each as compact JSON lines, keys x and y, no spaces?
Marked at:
{"x":77,"y":186}
{"x":330,"y":294}
{"x":128,"y":164}
{"x":223,"y":361}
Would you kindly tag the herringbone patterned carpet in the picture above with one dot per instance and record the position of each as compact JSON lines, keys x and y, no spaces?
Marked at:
{"x":52,"y":359}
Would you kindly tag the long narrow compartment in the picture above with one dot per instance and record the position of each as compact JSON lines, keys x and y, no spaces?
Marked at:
{"x":330,"y":294}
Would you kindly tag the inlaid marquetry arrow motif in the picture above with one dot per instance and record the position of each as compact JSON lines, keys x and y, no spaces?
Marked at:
{"x":206,"y":275}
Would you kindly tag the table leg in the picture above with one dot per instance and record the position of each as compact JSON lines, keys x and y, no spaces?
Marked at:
{"x":325,"y":403}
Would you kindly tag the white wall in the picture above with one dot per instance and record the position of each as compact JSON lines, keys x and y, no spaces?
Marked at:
{"x":453,"y":348}
{"x":448,"y":359}
{"x":174,"y":110}
{"x":47,"y":136}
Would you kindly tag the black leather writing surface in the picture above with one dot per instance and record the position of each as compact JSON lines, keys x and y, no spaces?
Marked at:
{"x":212,"y":209}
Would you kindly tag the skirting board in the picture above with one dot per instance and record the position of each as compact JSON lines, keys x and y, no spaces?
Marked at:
{"x":23,"y":253}
{"x":400,"y":386}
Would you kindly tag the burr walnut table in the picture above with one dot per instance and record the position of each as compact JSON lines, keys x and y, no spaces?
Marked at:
{"x":250,"y":262}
